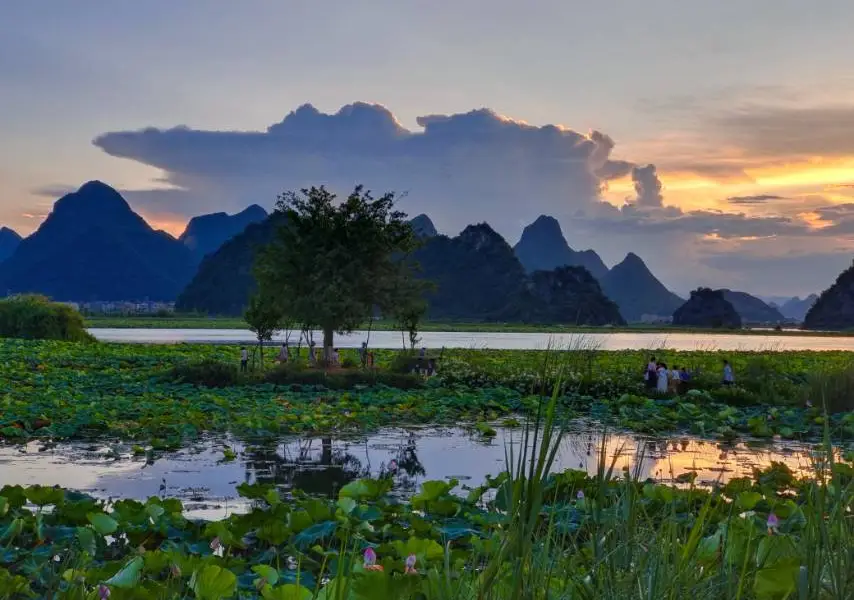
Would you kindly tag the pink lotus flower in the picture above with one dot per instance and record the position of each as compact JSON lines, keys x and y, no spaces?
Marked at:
{"x":103,"y":592}
{"x":216,"y":544}
{"x":370,"y":557}
{"x":410,"y":565}
{"x":773,"y":523}
{"x":580,"y":495}
{"x":392,"y":466}
{"x":175,"y":570}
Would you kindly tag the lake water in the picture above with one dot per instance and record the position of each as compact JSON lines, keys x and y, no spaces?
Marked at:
{"x":503,"y":341}
{"x":206,"y":484}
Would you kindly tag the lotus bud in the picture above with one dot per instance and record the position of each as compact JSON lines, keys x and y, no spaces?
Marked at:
{"x":370,"y":557}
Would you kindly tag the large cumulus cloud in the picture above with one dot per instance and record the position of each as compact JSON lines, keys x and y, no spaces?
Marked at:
{"x":460,"y":168}
{"x":480,"y":166}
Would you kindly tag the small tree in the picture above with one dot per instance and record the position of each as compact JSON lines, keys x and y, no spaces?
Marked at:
{"x":336,"y":262}
{"x":264,"y":318}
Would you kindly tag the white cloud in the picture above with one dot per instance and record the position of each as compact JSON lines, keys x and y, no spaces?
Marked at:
{"x":467,"y":168}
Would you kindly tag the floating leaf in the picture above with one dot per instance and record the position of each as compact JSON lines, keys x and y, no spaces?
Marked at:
{"x":288,"y":591}
{"x":86,"y":538}
{"x":103,"y":523}
{"x":213,"y":583}
{"x":267,"y":573}
{"x":128,"y":576}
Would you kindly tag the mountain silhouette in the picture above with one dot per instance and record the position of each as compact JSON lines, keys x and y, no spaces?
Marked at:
{"x":224,"y":281}
{"x":709,"y":309}
{"x":637,"y":291}
{"x":92,"y":246}
{"x":9,"y":241}
{"x":423,"y":226}
{"x":796,"y":309}
{"x":833,"y":310}
{"x":544,"y":247}
{"x":753,"y":310}
{"x":206,"y":233}
{"x":476,"y":277}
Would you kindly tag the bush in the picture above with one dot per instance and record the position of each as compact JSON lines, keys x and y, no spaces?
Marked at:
{"x":403,"y":362}
{"x":832,"y":390}
{"x":208,"y":373}
{"x":36,"y":318}
{"x":340,"y":380}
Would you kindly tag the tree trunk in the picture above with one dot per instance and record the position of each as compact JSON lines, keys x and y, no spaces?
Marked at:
{"x":328,"y":340}
{"x":326,"y":451}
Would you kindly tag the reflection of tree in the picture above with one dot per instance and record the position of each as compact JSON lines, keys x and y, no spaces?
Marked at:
{"x":302,"y":466}
{"x":406,"y":467}
{"x":323,"y":469}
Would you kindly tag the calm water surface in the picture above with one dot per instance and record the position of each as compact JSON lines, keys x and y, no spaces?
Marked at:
{"x":503,"y":341}
{"x":200,"y":477}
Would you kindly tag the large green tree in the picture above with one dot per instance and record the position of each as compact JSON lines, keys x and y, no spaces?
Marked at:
{"x":331,"y":264}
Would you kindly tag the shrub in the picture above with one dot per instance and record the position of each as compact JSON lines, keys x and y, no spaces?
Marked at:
{"x":403,"y":362}
{"x":340,"y":380}
{"x":37,"y":318}
{"x":207,"y":373}
{"x":832,"y":390}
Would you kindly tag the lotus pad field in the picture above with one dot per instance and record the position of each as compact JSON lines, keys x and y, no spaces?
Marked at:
{"x":526,"y":533}
{"x":63,"y":391}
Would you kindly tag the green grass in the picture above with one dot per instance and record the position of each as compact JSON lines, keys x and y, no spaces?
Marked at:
{"x":180,"y":321}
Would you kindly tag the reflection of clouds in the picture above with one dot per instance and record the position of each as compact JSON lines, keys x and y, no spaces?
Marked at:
{"x":28,"y":465}
{"x":206,"y":484}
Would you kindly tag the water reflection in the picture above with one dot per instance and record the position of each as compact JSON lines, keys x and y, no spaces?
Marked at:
{"x":201,"y":477}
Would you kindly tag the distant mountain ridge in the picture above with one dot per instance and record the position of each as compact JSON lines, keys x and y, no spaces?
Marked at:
{"x":92,"y":246}
{"x":797,"y":309}
{"x":224,"y":280}
{"x":476,"y":274}
{"x":205,"y":233}
{"x":637,"y":291}
{"x":543,"y":247}
{"x":9,"y":242}
{"x":752,"y":309}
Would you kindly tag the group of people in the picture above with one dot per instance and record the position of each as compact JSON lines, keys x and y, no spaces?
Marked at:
{"x":658,"y":377}
{"x":424,"y":366}
{"x":333,"y":356}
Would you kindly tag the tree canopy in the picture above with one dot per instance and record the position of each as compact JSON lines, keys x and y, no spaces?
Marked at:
{"x":331,"y":264}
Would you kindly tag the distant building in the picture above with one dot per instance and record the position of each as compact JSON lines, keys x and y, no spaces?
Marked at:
{"x":656,"y":319}
{"x":126,"y":308}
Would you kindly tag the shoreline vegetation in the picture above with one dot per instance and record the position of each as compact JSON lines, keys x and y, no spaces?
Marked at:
{"x":182,"y":321}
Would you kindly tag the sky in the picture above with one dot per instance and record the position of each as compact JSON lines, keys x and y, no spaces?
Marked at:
{"x":713,"y":139}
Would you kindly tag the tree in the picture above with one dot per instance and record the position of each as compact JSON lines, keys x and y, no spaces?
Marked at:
{"x":264,"y":317}
{"x":334,"y":263}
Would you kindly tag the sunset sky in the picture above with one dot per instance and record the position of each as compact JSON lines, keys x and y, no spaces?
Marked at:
{"x":478,"y":111}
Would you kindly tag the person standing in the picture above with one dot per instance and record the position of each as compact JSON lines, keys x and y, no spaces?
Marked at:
{"x":651,"y":375}
{"x":729,"y":377}
{"x":244,"y":359}
{"x":283,"y":353}
{"x":363,"y":355}
{"x":662,"y":378}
